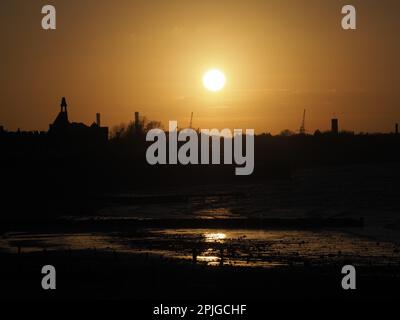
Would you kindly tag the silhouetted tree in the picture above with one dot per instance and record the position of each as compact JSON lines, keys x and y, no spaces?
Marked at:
{"x":317,"y":132}
{"x":130,"y":130}
{"x":118,"y":132}
{"x":287,"y":133}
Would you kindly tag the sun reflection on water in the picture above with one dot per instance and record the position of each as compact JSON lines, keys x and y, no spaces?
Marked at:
{"x":211,"y":237}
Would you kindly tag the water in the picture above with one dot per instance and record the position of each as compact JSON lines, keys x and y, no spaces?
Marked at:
{"x":250,"y":248}
{"x":350,"y":192}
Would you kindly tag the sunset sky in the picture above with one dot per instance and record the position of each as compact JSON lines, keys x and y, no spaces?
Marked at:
{"x":279,"y":57}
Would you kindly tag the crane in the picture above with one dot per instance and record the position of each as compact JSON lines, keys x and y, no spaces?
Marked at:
{"x":303,"y":123}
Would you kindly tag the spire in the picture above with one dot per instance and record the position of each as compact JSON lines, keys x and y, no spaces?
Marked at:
{"x":63,"y":104}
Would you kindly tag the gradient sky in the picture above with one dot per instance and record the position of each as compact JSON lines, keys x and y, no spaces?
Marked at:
{"x":279,"y":57}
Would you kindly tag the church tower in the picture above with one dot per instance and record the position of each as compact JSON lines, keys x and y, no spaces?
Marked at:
{"x":61,"y":122}
{"x":63,"y":105}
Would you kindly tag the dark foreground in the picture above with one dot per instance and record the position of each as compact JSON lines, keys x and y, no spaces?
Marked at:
{"x":91,"y":274}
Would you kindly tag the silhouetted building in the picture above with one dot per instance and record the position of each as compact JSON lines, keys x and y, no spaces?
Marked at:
{"x":335,"y":126}
{"x":62,"y":129}
{"x":61,"y":124}
{"x":396,"y":131}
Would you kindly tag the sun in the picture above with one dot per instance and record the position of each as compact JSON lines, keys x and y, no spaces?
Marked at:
{"x":214,"y":80}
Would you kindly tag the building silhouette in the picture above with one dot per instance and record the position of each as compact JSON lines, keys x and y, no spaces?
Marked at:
{"x":63,"y":129}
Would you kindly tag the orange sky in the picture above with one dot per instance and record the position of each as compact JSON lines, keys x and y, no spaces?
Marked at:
{"x":279,"y":57}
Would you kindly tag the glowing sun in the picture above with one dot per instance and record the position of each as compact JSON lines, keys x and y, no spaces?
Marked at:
{"x":214,"y":80}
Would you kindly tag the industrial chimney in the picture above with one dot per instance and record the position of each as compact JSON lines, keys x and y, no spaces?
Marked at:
{"x":396,"y":131}
{"x":98,"y":120}
{"x":335,"y":126}
{"x":137,"y":122}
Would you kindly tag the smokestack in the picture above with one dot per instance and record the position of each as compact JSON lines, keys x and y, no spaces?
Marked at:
{"x":335,"y":126}
{"x":98,"y":119}
{"x":137,"y":122}
{"x":396,"y":131}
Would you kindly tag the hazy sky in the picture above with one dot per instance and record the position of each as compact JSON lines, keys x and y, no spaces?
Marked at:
{"x":279,"y":57}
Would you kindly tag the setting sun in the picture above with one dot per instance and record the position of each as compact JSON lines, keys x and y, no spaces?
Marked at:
{"x":214,"y":80}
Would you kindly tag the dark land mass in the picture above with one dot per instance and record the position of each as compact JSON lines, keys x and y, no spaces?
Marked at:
{"x":46,"y":177}
{"x":108,"y":275}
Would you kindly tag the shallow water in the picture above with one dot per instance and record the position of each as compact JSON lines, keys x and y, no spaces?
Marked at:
{"x":251,"y":248}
